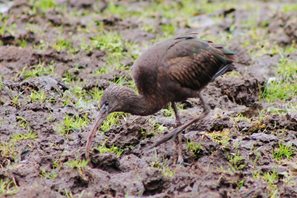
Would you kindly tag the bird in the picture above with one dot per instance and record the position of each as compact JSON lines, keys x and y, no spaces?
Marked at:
{"x":170,"y":71}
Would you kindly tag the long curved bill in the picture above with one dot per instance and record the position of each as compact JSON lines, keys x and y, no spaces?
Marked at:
{"x":101,"y":116}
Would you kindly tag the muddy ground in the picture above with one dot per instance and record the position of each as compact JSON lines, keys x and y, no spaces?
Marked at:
{"x":56,"y":58}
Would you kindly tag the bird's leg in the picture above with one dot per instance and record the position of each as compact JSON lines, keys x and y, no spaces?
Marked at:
{"x":205,"y":106}
{"x":178,"y":141}
{"x":179,"y":129}
{"x":177,"y":117}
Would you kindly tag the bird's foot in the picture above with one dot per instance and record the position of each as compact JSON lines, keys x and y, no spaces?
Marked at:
{"x":180,"y":160}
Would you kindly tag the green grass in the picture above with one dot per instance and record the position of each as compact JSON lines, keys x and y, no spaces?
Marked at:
{"x":239,"y":117}
{"x":111,"y":120}
{"x":271,"y":177}
{"x":289,"y":8}
{"x":168,"y":30}
{"x":6,"y":28}
{"x":101,"y":70}
{"x":110,"y":42}
{"x":113,"y":149}
{"x":194,"y":147}
{"x":279,"y":90}
{"x":168,"y":112}
{"x":164,"y":168}
{"x":8,"y":187}
{"x":116,"y":10}
{"x":64,"y":45}
{"x":283,"y":152}
{"x":96,"y":94}
{"x":37,"y":70}
{"x":72,"y":123}
{"x":23,"y":136}
{"x":43,"y":5}
{"x":38,"y":96}
{"x":48,"y":174}
{"x":69,"y":77}
{"x":285,"y":86}
{"x":221,"y":137}
{"x":23,"y":123}
{"x":1,"y":83}
{"x":77,"y":164}
{"x":240,"y":184}
{"x":7,"y":150}
{"x":287,"y":69}
{"x":158,"y":128}
{"x":78,"y":91}
{"x":237,"y":161}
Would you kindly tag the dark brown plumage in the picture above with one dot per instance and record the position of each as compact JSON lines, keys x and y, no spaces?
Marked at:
{"x":170,"y":71}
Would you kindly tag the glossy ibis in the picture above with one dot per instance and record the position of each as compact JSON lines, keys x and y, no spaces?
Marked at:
{"x":170,"y":71}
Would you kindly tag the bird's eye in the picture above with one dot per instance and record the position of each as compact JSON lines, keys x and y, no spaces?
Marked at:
{"x":105,"y":103}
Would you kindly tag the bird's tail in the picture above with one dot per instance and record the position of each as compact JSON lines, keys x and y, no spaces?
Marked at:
{"x":229,"y":55}
{"x":223,"y":70}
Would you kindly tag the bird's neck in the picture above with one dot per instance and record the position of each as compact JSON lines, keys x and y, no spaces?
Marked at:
{"x":141,"y":105}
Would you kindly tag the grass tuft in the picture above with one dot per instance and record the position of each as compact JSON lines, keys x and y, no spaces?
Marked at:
{"x":237,"y":162}
{"x":194,"y":147}
{"x":113,"y":149}
{"x":37,"y":70}
{"x":23,"y":136}
{"x":38,"y":96}
{"x":111,"y":120}
{"x":77,"y":164}
{"x":71,"y":124}
{"x":44,"y":5}
{"x":283,"y":152}
{"x":285,"y":86}
{"x":8,"y":187}
{"x":164,"y":168}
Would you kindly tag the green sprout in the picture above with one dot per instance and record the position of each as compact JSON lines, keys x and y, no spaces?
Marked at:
{"x":111,"y":120}
{"x":8,"y":187}
{"x":37,"y":70}
{"x":22,"y":122}
{"x":23,"y":136}
{"x":44,"y":5}
{"x":271,"y":177}
{"x":164,"y":168}
{"x":113,"y":149}
{"x":71,"y":124}
{"x":283,"y":152}
{"x":63,"y":44}
{"x":77,"y":164}
{"x":8,"y":150}
{"x":48,"y":174}
{"x":194,"y":147}
{"x":37,"y":96}
{"x":237,"y":162}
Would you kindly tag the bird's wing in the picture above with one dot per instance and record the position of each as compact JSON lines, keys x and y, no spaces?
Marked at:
{"x":194,"y":63}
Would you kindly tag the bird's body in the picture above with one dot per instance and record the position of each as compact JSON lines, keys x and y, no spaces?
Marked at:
{"x":170,"y":71}
{"x":174,"y":70}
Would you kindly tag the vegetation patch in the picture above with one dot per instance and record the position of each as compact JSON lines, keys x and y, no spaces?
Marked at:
{"x":285,"y":86}
{"x":113,"y":149}
{"x":37,"y":70}
{"x":8,"y":187}
{"x":283,"y":152}
{"x":72,"y":123}
{"x":23,"y":136}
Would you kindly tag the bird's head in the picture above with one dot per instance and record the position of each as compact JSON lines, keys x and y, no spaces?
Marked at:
{"x":114,"y":98}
